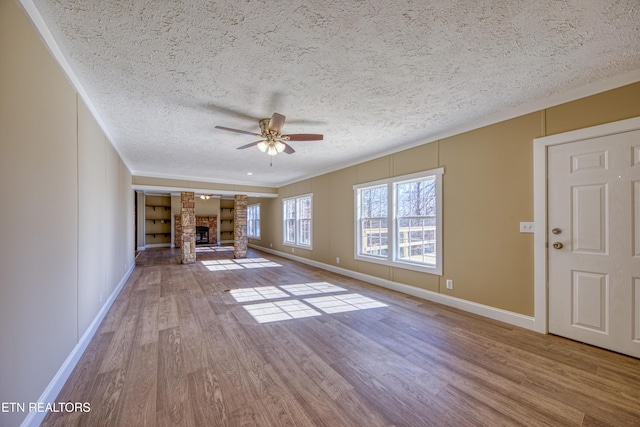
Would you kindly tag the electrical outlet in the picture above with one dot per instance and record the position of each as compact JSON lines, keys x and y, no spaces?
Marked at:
{"x":526,"y":227}
{"x":270,"y":245}
{"x":100,"y":297}
{"x":449,"y":284}
{"x":337,"y":260}
{"x":293,"y":250}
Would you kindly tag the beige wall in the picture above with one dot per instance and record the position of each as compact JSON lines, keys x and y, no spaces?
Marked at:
{"x":487,"y":192}
{"x":210,"y":207}
{"x":67,"y":215}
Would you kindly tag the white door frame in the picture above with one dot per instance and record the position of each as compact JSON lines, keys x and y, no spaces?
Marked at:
{"x":540,"y":251}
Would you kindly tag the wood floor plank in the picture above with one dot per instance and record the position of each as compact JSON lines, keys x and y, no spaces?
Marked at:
{"x":84,"y":374}
{"x":167,"y":312}
{"x":106,"y":399}
{"x":466,"y":375}
{"x":307,"y":378}
{"x":118,"y":351}
{"x":207,"y":397}
{"x":178,"y":349}
{"x":139,"y":396}
{"x":315,"y":368}
{"x":147,"y":330}
{"x":171,"y":374}
{"x":176,"y":414}
{"x":471,"y":411}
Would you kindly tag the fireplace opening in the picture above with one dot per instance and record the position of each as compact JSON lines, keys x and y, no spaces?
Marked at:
{"x":202,"y":235}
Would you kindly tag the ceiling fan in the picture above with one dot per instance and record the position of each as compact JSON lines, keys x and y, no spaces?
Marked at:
{"x":273,"y":141}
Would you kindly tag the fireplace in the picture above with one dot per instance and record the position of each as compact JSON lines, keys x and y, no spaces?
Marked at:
{"x":204,"y":224}
{"x":202,"y":235}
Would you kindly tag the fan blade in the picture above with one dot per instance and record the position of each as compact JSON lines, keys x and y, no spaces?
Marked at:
{"x":303,"y":137}
{"x":249,"y":145}
{"x":238,"y":131}
{"x":276,"y":122}
{"x":288,"y":149}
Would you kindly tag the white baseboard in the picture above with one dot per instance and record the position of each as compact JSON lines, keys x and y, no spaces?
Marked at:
{"x":50,"y":394}
{"x":505,"y":316}
{"x":158,"y":245}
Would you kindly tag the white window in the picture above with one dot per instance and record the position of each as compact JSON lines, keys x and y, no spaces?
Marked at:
{"x":373,"y":221}
{"x":399,"y":221}
{"x":297,"y":215}
{"x":253,"y":221}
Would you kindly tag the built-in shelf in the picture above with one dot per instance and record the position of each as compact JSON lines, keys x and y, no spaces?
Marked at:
{"x":226,"y":220}
{"x":157,"y":220}
{"x":160,"y":221}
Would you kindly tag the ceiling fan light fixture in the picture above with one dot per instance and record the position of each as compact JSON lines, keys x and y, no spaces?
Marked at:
{"x":273,"y":141}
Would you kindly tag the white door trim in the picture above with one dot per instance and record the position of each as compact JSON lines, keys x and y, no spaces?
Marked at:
{"x":540,"y":145}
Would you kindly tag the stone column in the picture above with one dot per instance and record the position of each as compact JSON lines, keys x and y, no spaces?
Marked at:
{"x":240,"y":227}
{"x":188,"y":219}
{"x":178,"y":232}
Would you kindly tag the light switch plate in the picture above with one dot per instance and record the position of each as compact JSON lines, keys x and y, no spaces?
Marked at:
{"x":526,"y":227}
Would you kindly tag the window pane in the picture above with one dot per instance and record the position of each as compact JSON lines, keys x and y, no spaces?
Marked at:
{"x":373,"y":202}
{"x":416,"y":198}
{"x":290,"y":231}
{"x":374,"y":238}
{"x":417,"y":240}
{"x":373,"y":224}
{"x":253,"y":221}
{"x":304,"y":207}
{"x":416,"y":221}
{"x":289,"y":209}
{"x":305,"y":232}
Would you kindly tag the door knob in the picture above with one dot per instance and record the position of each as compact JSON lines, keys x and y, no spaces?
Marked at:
{"x":558,"y":245}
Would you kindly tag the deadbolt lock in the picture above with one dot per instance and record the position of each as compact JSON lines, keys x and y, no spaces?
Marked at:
{"x":556,"y":231}
{"x":558,"y":245}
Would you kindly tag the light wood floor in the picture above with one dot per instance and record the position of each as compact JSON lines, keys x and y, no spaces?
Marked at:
{"x":178,"y":348}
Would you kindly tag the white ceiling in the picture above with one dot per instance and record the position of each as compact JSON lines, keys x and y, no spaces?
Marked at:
{"x":372,"y":76}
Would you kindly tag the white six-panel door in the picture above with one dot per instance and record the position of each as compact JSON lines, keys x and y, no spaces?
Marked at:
{"x":594,"y":241}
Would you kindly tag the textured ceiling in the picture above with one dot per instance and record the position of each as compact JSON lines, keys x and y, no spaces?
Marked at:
{"x":372,"y":76}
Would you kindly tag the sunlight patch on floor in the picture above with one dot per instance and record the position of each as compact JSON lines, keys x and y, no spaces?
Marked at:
{"x":257,"y":294}
{"x":280,"y":310}
{"x":312,"y":288}
{"x":238,"y":264}
{"x":341,"y":303}
{"x":334,"y":300}
{"x":222,"y":264}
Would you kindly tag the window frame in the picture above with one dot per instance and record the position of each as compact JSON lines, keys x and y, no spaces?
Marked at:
{"x":392,"y":257}
{"x":256,"y":220}
{"x":297,"y":220}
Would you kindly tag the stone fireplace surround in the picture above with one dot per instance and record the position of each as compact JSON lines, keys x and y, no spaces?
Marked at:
{"x":201,"y":221}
